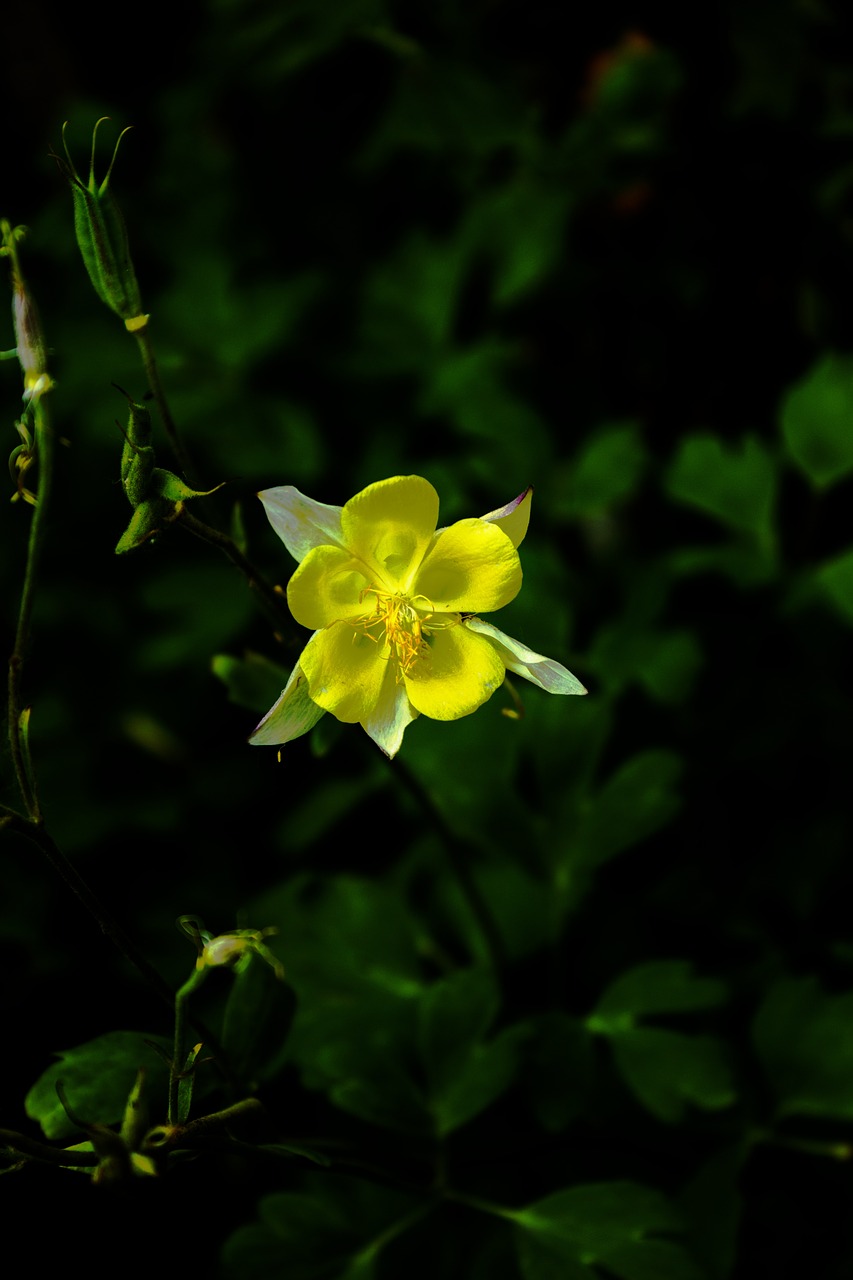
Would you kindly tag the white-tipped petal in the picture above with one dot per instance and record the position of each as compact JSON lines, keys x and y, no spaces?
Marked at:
{"x":514,"y":517}
{"x":300,"y":522}
{"x":292,"y":714}
{"x":548,"y":674}
{"x":391,"y":716}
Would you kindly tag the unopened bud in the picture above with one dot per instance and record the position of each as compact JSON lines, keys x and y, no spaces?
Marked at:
{"x":137,"y":456}
{"x":29,"y":340}
{"x":102,"y":236}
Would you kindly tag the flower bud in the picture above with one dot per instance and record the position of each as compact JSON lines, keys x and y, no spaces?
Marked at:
{"x":102,"y":237}
{"x":29,"y":340}
{"x":137,"y":456}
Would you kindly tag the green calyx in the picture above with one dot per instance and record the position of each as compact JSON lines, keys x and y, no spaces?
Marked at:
{"x":156,"y":495}
{"x":102,"y":235}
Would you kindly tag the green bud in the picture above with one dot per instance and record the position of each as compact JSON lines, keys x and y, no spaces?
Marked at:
{"x":137,"y":456}
{"x":102,"y":236}
{"x":162,"y":501}
{"x":20,"y":460}
{"x":148,"y":519}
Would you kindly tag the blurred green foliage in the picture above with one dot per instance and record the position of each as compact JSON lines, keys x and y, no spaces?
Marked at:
{"x":567,"y":984}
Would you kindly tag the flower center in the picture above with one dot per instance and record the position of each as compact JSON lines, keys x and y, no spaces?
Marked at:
{"x":403,"y":624}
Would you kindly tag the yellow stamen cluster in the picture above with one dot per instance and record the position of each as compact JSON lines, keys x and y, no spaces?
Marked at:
{"x":404,"y":628}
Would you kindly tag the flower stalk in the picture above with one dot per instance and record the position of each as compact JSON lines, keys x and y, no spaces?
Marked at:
{"x":36,"y":433}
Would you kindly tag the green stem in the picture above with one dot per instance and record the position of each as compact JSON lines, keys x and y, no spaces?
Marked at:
{"x":270,"y":598}
{"x":459,"y":854}
{"x":34,"y":1150}
{"x":17,"y":721}
{"x":37,"y":832}
{"x":152,"y":373}
{"x":483,"y":1206}
{"x":179,"y":1052}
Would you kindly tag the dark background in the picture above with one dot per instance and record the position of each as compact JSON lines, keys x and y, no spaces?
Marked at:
{"x":495,"y":245}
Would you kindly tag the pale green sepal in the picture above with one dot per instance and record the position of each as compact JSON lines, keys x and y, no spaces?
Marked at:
{"x":165,"y":484}
{"x":300,"y":522}
{"x":548,"y":674}
{"x":391,"y":717}
{"x":290,"y":716}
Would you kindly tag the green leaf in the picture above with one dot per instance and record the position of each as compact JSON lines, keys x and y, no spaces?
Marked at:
{"x":455,"y":1014}
{"x":635,"y":801}
{"x":464,"y":1075}
{"x":712,"y":1204}
{"x":816,"y":419}
{"x":614,"y":1225}
{"x":333,"y":1230}
{"x":97,"y":1078}
{"x":350,"y":955}
{"x":607,"y":470}
{"x":307,"y":821}
{"x":257,"y":1020}
{"x":804,"y":1039}
{"x":836,"y":579}
{"x":666,"y":1070}
{"x":734,"y":483}
{"x":659,"y":986}
{"x":253,"y":681}
{"x":300,"y":1235}
{"x":665,"y":663}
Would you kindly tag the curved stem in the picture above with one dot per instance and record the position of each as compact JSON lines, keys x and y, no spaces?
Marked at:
{"x":17,"y":715}
{"x":23,"y":1145}
{"x":459,"y":854}
{"x":270,"y":598}
{"x":146,"y":350}
{"x":109,"y":926}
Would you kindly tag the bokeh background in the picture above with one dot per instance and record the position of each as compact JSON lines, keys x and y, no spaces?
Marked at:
{"x":608,"y":253}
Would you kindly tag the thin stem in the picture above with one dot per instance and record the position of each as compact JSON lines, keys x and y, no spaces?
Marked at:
{"x":108,"y":925}
{"x":23,"y":1145}
{"x":459,"y":854}
{"x":17,"y":725}
{"x":37,"y":832}
{"x":146,"y":350}
{"x":179,"y":1045}
{"x":483,"y":1206}
{"x":270,"y":598}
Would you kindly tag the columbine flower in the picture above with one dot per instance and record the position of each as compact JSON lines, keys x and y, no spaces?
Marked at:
{"x":391,"y":602}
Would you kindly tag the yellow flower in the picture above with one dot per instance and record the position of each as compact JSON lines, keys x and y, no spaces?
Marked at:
{"x":391,"y":602}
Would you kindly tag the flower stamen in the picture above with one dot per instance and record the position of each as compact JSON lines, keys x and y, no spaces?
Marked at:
{"x":404,"y":625}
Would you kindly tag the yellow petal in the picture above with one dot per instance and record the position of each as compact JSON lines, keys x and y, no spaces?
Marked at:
{"x":326,"y":587}
{"x":345,"y":670}
{"x":389,"y":526}
{"x":472,"y":567}
{"x":460,"y":672}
